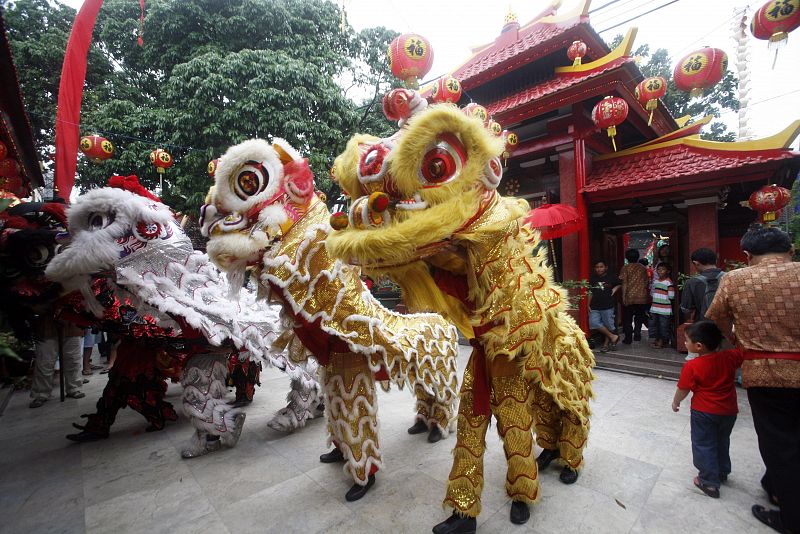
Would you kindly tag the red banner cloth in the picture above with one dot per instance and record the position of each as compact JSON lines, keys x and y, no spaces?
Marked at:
{"x":70,"y":93}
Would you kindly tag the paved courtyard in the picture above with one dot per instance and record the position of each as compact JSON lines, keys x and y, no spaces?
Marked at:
{"x":638,"y":475}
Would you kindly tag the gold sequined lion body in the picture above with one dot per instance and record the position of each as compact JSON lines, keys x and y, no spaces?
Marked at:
{"x":264,"y":215}
{"x":426,"y":213}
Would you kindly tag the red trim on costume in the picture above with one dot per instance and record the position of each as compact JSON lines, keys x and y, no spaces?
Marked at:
{"x":762,"y":355}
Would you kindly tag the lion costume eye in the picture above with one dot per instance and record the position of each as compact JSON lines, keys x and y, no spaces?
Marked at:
{"x":39,"y":255}
{"x":98,"y":220}
{"x":250,"y":180}
{"x":443,"y":162}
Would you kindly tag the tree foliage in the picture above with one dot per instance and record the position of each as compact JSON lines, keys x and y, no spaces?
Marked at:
{"x":212,"y":74}
{"x":714,"y":101}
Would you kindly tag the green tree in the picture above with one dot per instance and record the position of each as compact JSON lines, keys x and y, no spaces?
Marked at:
{"x":38,"y":32}
{"x":714,"y":101}
{"x":211,"y":74}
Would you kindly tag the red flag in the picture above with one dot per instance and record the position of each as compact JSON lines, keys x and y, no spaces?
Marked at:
{"x":70,"y":93}
{"x":140,"y":40}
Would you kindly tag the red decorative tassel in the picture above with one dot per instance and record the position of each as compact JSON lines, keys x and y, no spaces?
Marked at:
{"x":141,"y":23}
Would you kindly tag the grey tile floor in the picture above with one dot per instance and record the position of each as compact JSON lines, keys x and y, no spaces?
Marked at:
{"x":638,"y":475}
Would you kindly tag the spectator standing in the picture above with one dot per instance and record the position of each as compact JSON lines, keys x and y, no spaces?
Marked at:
{"x":46,"y":347}
{"x":91,"y":338}
{"x":761,"y":302}
{"x":709,"y":377}
{"x":635,"y":296}
{"x":604,"y":286}
{"x":698,"y":291}
{"x":663,"y":293}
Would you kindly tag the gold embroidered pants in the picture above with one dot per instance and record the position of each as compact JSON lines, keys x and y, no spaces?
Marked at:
{"x":559,"y":429}
{"x":511,"y":398}
{"x":351,"y":410}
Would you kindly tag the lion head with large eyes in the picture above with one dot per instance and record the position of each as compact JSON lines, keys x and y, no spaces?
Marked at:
{"x":260,"y":189}
{"x":414,"y":190}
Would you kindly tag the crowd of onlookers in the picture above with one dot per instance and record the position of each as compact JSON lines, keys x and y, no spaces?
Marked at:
{"x":748,"y":318}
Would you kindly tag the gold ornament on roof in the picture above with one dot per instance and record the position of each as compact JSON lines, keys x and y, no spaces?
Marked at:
{"x":511,"y":16}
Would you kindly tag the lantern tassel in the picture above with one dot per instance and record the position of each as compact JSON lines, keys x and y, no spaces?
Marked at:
{"x":612,"y":132}
{"x":576,"y":62}
{"x":650,"y":120}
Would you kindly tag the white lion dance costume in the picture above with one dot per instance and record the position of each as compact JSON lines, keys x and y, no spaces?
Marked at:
{"x":126,"y":231}
{"x":263,"y":214}
{"x":426,"y":212}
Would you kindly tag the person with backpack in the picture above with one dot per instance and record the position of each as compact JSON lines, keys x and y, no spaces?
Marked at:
{"x":699,"y":290}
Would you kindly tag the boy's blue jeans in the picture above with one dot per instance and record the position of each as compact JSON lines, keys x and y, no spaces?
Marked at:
{"x":711,"y":441}
{"x":662,"y":326}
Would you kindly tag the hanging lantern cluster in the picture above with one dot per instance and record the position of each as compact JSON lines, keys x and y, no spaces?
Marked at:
{"x":446,"y":89}
{"x":700,"y":70}
{"x":610,"y":113}
{"x":576,"y":51}
{"x":410,"y":58}
{"x":476,"y":110}
{"x":96,"y":148}
{"x":769,"y":201}
{"x":773,"y":22}
{"x":161,"y":159}
{"x":649,"y":91}
{"x":511,"y":141}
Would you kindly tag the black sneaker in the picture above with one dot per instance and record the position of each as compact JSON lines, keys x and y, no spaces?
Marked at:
{"x":336,"y":455}
{"x":358,"y":491}
{"x":455,"y":524}
{"x":419,"y":427}
{"x":520,"y":512}
{"x":568,"y":475}
{"x":627,"y":340}
{"x":546,"y":457}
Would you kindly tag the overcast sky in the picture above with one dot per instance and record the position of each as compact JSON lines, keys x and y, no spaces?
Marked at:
{"x":454,"y":27}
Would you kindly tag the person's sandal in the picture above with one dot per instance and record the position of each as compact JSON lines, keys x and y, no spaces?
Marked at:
{"x":87,"y":372}
{"x":613,"y":344}
{"x":771,"y":518}
{"x":711,"y":491}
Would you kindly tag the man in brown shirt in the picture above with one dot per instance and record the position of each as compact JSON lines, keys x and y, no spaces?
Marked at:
{"x":762,"y":303}
{"x":635,"y":296}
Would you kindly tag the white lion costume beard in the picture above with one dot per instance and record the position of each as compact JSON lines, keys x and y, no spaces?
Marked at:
{"x":136,"y":241}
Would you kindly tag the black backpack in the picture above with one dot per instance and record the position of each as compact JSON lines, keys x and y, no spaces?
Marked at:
{"x":711,"y":285}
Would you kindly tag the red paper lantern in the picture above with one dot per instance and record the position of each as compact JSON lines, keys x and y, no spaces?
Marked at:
{"x":96,"y":148}
{"x":768,"y":201}
{"x":576,"y":51}
{"x":3,"y":150}
{"x":446,"y":89}
{"x":700,"y":70}
{"x":9,"y":168}
{"x":512,"y":140}
{"x":410,"y":58}
{"x":495,"y":128}
{"x":161,"y":159}
{"x":649,"y":91}
{"x":476,"y":110}
{"x":610,"y":113}
{"x":774,"y":21}
{"x":212,"y":167}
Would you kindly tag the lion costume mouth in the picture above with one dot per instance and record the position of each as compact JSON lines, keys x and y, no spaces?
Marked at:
{"x":416,"y":189}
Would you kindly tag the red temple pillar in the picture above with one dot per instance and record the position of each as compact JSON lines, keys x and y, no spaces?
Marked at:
{"x":575,"y":247}
{"x":703,"y":224}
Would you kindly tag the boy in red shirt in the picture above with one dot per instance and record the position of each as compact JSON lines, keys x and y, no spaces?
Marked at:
{"x":710,"y":378}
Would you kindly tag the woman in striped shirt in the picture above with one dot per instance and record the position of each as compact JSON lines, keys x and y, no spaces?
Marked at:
{"x":663,"y":293}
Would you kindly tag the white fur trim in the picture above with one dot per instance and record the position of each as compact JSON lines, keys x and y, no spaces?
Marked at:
{"x":257,"y":150}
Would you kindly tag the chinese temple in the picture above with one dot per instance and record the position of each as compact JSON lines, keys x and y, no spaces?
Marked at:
{"x":20,"y":173}
{"x":663,"y":179}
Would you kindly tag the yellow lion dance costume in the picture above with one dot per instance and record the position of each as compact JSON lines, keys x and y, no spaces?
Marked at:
{"x":264,"y":216}
{"x":425,"y":212}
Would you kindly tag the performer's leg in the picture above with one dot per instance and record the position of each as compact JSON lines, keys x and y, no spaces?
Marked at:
{"x":351,"y":408}
{"x":466,"y":476}
{"x":512,"y":397}
{"x":304,"y":400}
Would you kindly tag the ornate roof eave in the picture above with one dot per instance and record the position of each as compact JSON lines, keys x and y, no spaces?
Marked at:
{"x":622,"y":50}
{"x":780,"y":141}
{"x":576,"y":21}
{"x":16,"y":118}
